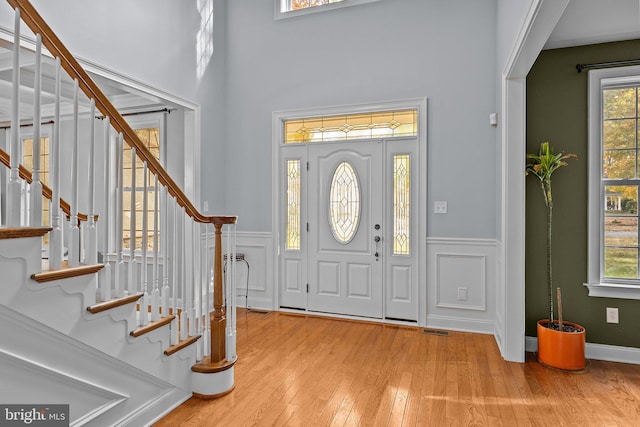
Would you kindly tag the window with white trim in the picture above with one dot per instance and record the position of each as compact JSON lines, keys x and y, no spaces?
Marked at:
{"x":614,"y":183}
{"x":150,"y":130}
{"x":291,"y":8}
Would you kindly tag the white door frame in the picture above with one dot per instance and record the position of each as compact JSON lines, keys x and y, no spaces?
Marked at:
{"x":538,"y":24}
{"x":277,"y":128}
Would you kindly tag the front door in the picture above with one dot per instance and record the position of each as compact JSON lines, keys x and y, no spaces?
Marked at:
{"x":345,"y":216}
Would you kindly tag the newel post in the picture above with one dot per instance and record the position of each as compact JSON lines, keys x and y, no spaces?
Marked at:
{"x":213,"y":376}
{"x":218,"y":316}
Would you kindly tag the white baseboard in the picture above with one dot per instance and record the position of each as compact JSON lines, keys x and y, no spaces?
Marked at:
{"x":259,"y":303}
{"x":460,"y":324}
{"x":610,"y":353}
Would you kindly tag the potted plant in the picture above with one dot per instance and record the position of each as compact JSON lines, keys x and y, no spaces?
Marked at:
{"x":560,"y":344}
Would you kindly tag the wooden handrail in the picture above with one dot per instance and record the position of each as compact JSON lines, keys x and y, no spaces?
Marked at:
{"x":46,"y":190}
{"x":35,"y":22}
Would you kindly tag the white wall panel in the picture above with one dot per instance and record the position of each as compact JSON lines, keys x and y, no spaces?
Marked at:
{"x":461,"y":281}
{"x":258,"y":252}
{"x":467,"y":263}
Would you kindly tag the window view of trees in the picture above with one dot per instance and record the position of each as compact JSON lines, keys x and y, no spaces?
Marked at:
{"x":151,"y":139}
{"x":621,"y":178}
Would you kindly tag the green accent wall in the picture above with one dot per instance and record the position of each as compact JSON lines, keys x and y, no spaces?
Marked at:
{"x":557,"y":112}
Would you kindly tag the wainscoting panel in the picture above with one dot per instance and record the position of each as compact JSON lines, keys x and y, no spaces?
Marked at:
{"x":461,"y":284}
{"x":461,"y":281}
{"x":258,"y":252}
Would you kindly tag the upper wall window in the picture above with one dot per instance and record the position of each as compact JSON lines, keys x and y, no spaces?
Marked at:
{"x":289,"y":5}
{"x":385,"y":124}
{"x":614,"y":182}
{"x":290,"y":8}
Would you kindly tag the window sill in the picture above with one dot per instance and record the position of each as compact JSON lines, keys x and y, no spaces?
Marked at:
{"x":610,"y":290}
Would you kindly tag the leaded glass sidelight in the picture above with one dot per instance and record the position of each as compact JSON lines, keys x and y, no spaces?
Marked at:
{"x":293,"y":204}
{"x":344,"y":203}
{"x":401,"y":204}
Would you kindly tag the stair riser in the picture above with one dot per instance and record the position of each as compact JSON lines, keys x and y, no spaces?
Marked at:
{"x":61,"y":305}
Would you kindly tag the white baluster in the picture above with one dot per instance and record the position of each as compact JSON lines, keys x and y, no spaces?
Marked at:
{"x":14,"y":187}
{"x":197,"y":246}
{"x":183,"y":303}
{"x":206,"y":338}
{"x":132,"y":270}
{"x":231,"y":295}
{"x":164,"y":244}
{"x":35,"y":204}
{"x":155,"y":293}
{"x":74,"y":238}
{"x":55,"y":236}
{"x":190,"y":278}
{"x":175,"y":324}
{"x":104,"y":279}
{"x":118,"y":286}
{"x":144,"y":301}
{"x":92,"y":229}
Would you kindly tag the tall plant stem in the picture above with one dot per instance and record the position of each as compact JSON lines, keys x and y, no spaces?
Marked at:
{"x":549,"y":203}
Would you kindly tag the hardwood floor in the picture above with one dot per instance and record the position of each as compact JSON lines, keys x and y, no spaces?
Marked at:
{"x":311,"y":371}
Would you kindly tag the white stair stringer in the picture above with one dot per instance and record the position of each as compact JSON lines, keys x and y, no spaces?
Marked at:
{"x":40,"y":365}
{"x":148,"y":350}
{"x":62,"y":306}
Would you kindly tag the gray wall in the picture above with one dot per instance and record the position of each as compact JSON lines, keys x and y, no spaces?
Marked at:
{"x":557,"y":111}
{"x":387,"y":50}
{"x":152,"y":41}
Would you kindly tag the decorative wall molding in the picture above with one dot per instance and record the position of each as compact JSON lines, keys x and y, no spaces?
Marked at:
{"x":609,"y":353}
{"x":460,"y":268}
{"x":257,"y":248}
{"x":42,"y":364}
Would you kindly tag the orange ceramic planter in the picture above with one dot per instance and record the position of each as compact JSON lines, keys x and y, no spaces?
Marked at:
{"x":562,"y":350}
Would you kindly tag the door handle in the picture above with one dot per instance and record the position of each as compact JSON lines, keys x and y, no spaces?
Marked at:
{"x":376,"y":239}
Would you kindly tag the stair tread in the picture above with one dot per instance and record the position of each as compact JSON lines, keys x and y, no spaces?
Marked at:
{"x":22,"y":232}
{"x":151,"y":326}
{"x":118,"y":302}
{"x":182,"y":344}
{"x":65,"y":272}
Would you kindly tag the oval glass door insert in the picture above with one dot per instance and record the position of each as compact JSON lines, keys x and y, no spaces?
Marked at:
{"x":344,"y":203}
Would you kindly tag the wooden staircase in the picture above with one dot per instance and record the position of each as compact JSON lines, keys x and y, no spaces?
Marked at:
{"x":121,"y":342}
{"x":65,"y":301}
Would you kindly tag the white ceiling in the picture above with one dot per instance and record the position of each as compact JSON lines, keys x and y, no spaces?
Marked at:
{"x":596,"y":21}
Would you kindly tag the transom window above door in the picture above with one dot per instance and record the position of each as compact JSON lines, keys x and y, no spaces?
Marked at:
{"x":374,"y":125}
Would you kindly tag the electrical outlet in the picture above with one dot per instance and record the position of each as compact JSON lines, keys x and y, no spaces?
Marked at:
{"x":205,"y":206}
{"x":462,"y":293}
{"x":440,"y":207}
{"x":612,"y":315}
